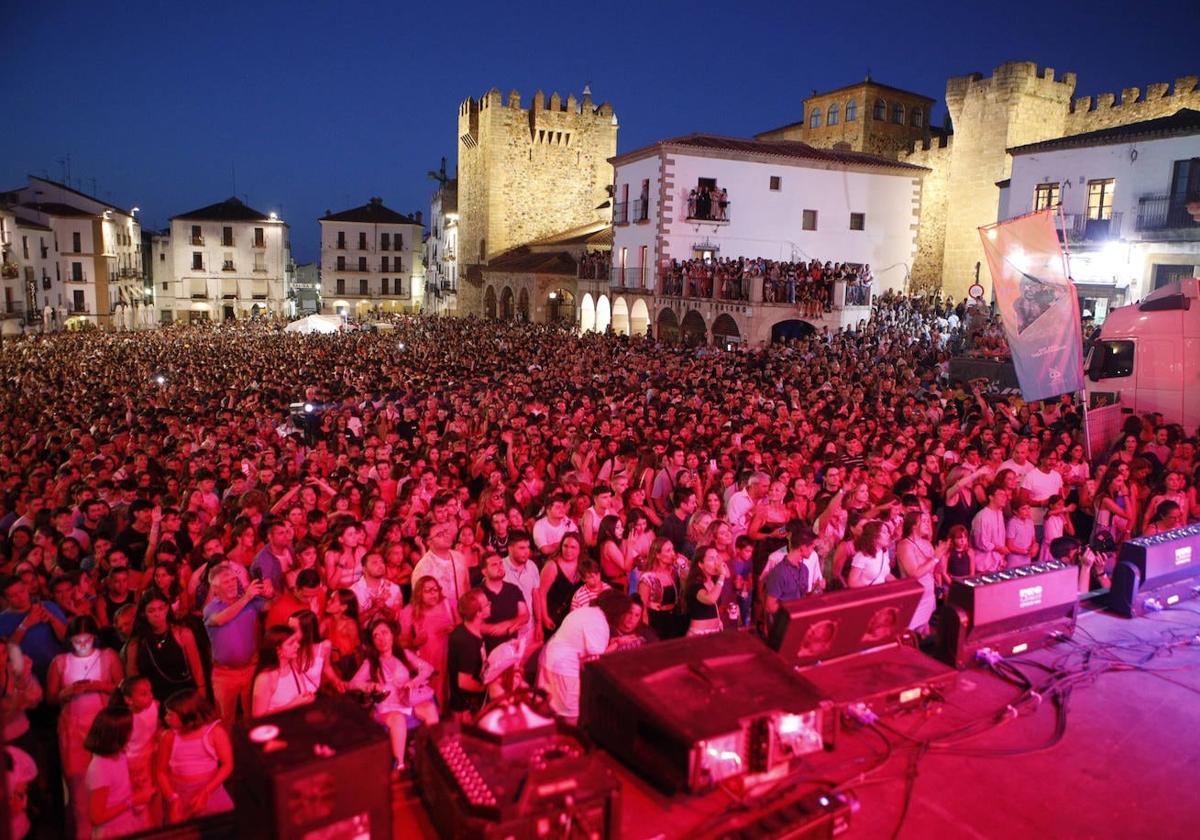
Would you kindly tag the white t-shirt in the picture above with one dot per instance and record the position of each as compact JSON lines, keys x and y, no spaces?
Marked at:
{"x":583,"y":633}
{"x":874,"y":567}
{"x":546,"y":534}
{"x":1042,"y":486}
{"x":737,"y":511}
{"x":386,"y":591}
{"x":1021,"y":470}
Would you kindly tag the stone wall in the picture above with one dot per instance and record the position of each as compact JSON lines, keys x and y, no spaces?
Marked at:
{"x":926,"y":271}
{"x":1159,"y":100}
{"x":527,"y":173}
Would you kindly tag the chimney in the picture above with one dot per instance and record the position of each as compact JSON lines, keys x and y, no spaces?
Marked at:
{"x":417,"y":216}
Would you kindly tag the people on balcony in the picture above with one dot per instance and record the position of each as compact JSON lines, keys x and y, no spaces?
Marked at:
{"x":595,"y":265}
{"x":806,"y":285}
{"x":710,"y":204}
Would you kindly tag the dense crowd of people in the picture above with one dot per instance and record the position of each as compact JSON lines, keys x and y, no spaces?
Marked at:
{"x":808,"y":285}
{"x":594,"y":265}
{"x":205,"y":524}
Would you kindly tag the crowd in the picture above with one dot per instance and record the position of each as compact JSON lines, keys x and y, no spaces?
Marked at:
{"x":201,"y":524}
{"x":595,"y":265}
{"x":808,"y":285}
{"x":707,"y":203}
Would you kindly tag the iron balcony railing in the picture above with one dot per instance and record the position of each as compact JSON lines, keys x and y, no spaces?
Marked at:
{"x":1164,"y":212}
{"x":621,"y":213}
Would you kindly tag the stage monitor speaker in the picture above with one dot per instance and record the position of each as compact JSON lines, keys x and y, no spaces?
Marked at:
{"x":1156,"y":572}
{"x":689,"y":713}
{"x":1009,"y":612}
{"x":326,"y":773}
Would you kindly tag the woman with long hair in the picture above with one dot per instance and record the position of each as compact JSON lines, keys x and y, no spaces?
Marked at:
{"x":612,"y":552}
{"x":920,"y":559}
{"x":313,"y":659}
{"x":1114,"y":506}
{"x":194,"y":758}
{"x":425,"y":626}
{"x":163,"y":651}
{"x":279,"y":683}
{"x":559,"y":580}
{"x":870,"y":566}
{"x":401,"y":680}
{"x":115,"y":808}
{"x":341,"y":628}
{"x":343,"y":560}
{"x":658,"y":588}
{"x":704,"y":591}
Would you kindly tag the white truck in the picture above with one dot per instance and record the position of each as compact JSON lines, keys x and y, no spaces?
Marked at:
{"x":1148,"y":356}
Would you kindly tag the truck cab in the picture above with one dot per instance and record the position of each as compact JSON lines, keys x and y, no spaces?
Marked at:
{"x":1148,"y":355}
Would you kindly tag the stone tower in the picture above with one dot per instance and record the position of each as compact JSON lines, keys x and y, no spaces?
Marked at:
{"x":1017,"y":104}
{"x":524,"y":174}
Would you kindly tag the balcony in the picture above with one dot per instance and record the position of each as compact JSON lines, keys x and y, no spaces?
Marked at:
{"x":447,"y":286}
{"x":1165,"y":214}
{"x":82,"y":277}
{"x":1080,"y":228}
{"x":707,"y":207}
{"x":621,"y":213}
{"x":259,"y":244}
{"x":197,"y":240}
{"x":260,"y":269}
{"x":228,"y":266}
{"x":226,"y":243}
{"x":630,"y":277}
{"x":641,"y":210}
{"x":349,"y":269}
{"x":197,"y":266}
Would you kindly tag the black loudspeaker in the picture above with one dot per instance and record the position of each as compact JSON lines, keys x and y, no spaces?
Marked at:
{"x":1156,"y":572}
{"x":326,"y":773}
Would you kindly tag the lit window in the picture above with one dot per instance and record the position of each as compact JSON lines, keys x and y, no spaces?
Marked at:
{"x":1100,"y":198}
{"x":1045,"y":195}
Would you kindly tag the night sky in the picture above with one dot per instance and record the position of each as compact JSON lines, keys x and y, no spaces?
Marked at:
{"x":320,"y":106}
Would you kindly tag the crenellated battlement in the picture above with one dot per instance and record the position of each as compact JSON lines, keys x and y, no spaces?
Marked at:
{"x":579,"y":106}
{"x":1160,"y":99}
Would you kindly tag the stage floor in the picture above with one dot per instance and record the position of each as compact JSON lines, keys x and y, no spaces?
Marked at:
{"x":1126,"y":765}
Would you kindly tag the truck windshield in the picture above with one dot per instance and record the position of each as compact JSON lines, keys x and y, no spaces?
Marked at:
{"x":1111,"y":360}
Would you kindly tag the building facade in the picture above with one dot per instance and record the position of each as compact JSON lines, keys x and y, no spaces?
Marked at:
{"x":528,"y":173}
{"x":307,"y":286}
{"x":441,"y":248}
{"x":226,"y":261}
{"x":780,"y":201}
{"x":371,"y":261}
{"x":32,"y":293}
{"x":1130,"y":199}
{"x":95,"y":249}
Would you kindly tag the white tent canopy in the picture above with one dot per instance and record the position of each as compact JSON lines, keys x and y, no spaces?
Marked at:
{"x":315,"y":324}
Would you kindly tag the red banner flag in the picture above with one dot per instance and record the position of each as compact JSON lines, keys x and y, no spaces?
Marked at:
{"x":1037,"y":302}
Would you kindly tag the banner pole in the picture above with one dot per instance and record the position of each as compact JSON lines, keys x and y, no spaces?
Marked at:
{"x":1083,"y":400}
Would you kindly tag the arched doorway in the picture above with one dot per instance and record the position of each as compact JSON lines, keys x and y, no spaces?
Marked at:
{"x":620,"y":316}
{"x":489,"y":303}
{"x":508,"y":304}
{"x":587,"y":313}
{"x":667,"y":328}
{"x":725,"y":332}
{"x":693,"y":329}
{"x":560,"y":307}
{"x":523,"y":305}
{"x":639,"y":318}
{"x":792,"y":328}
{"x":603,"y":314}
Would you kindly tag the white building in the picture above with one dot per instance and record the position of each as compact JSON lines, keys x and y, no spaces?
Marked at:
{"x":87,"y":261}
{"x":27,"y":272}
{"x":785,"y":201}
{"x":441,"y":249}
{"x":1125,"y":195}
{"x":225,"y":261}
{"x":371,"y":260}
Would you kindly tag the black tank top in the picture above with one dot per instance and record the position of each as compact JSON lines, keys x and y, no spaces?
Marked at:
{"x":161,"y":660}
{"x":558,"y":596}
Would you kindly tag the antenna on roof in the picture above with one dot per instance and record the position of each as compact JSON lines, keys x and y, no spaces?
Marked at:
{"x":868,"y":78}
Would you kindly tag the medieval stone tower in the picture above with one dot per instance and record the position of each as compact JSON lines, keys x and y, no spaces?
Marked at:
{"x":524,"y":174}
{"x":1017,"y":104}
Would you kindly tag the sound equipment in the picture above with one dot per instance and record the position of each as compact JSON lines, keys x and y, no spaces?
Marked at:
{"x":539,"y":781}
{"x":817,"y":816}
{"x":1009,"y":612}
{"x":324,"y":773}
{"x":1156,"y":572}
{"x":688,"y":713}
{"x":853,"y":647}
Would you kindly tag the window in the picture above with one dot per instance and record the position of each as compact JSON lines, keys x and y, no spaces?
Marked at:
{"x":76,"y":243}
{"x":398,"y":242}
{"x":383,"y":286}
{"x":1100,"y":198}
{"x":197,"y":261}
{"x":643,"y":268}
{"x":1045,"y":195}
{"x":858,"y":221}
{"x":258,"y":237}
{"x":831,"y":118}
{"x":362,"y":241}
{"x":362,"y":263}
{"x":814,"y":118}
{"x":341,"y":263}
{"x":197,"y":237}
{"x":362,"y":286}
{"x":898,"y":114}
{"x":880,"y":110}
{"x":809,"y":220}
{"x":25,"y":246}
{"x":227,"y":237}
{"x":77,"y":272}
{"x":1111,"y":360}
{"x":260,"y":262}
{"x":341,"y":239}
{"x":341,"y":286}
{"x":162,"y":257}
{"x":917,"y":118}
{"x":385,"y":243}
{"x":227,"y":264}
{"x":852,"y":110}
{"x":383,"y":264}
{"x":776,"y":182}
{"x":77,"y":300}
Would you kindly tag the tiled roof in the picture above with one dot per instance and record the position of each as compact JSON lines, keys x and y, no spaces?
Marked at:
{"x":872,"y":84}
{"x":79,"y":193}
{"x":786,"y":149}
{"x":373,"y":212}
{"x":229,"y":210}
{"x":53,"y":208}
{"x":29,"y":223}
{"x":523,"y":261}
{"x":594,"y":234}
{"x":1183,"y":122}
